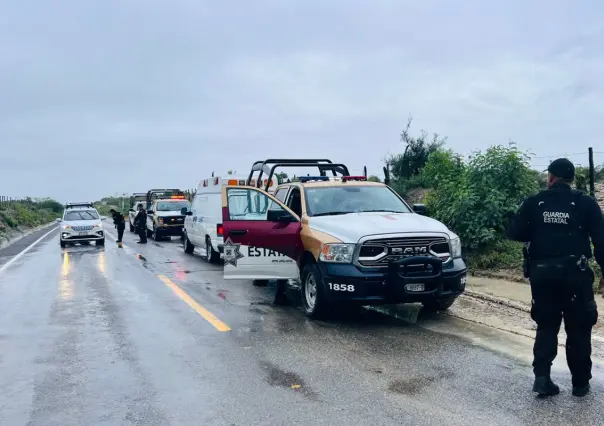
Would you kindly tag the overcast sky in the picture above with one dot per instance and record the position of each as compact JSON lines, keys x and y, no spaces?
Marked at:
{"x":99,"y":97}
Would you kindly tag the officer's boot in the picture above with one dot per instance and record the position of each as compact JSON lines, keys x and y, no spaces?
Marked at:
{"x":545,"y":387}
{"x":280,"y":297}
{"x":581,"y":390}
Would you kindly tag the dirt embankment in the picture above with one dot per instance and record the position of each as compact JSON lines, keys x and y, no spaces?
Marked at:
{"x":600,"y":194}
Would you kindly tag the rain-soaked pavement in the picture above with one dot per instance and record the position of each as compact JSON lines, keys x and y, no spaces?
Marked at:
{"x":147,"y":335}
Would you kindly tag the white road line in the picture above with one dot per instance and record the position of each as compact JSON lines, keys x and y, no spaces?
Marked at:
{"x":14,"y":259}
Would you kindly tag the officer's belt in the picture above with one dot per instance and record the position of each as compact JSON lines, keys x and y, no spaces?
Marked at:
{"x":557,"y":262}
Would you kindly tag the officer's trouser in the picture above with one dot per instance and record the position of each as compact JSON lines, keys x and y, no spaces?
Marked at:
{"x":562,"y":291}
{"x":120,"y":231}
{"x":142,"y":233}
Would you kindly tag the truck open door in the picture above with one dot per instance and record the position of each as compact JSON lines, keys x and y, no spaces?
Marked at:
{"x":261,"y":236}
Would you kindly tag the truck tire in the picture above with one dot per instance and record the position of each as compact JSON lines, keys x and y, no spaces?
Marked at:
{"x":438,"y":304}
{"x":155,"y":234}
{"x":313,"y":291}
{"x":131,"y":227}
{"x":211,"y":255}
{"x":149,"y":233}
{"x":187,"y":246}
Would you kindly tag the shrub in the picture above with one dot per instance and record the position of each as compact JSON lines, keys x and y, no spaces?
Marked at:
{"x":477,"y":199}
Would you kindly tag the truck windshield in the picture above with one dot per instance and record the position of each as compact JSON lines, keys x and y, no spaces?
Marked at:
{"x":337,"y":200}
{"x":81,"y":215}
{"x":167,"y":206}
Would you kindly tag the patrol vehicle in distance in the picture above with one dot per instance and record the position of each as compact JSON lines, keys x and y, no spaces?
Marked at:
{"x":81,"y":223}
{"x":203,"y":222}
{"x":347,"y":241}
{"x":136,"y":199}
{"x":164,"y":213}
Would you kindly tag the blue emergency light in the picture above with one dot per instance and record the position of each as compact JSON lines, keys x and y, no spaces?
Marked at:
{"x":311,"y":178}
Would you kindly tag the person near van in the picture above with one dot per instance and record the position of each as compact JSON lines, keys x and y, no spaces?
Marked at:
{"x":120,"y":224}
{"x":140,"y":222}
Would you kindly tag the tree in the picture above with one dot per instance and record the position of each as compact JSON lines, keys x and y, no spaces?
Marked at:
{"x":373,"y":178}
{"x":414,"y":158}
{"x":281,"y":177}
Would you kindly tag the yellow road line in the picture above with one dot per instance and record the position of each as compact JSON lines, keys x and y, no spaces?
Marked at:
{"x":205,"y":314}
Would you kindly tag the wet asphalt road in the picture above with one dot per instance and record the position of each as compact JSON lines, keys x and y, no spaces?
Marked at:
{"x":121,"y":336}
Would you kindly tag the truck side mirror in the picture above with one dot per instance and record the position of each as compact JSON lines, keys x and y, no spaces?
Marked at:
{"x":420,"y":209}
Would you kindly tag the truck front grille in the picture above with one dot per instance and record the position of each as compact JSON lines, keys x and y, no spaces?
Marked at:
{"x":379,"y":252}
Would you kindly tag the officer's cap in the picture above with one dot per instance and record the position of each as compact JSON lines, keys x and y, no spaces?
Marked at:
{"x":562,"y":168}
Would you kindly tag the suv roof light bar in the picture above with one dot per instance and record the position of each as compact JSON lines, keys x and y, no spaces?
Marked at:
{"x":359,"y":178}
{"x":304,"y":179}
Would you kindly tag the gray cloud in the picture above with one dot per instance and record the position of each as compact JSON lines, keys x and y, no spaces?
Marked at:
{"x":105,"y":97}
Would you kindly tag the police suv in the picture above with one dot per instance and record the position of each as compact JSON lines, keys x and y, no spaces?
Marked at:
{"x":81,"y":223}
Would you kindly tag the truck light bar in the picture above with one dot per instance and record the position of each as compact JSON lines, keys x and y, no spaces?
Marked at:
{"x":359,"y":178}
{"x":177,"y":197}
{"x":304,"y":179}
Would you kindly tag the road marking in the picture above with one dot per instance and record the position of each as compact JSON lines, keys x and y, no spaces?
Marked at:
{"x":17,"y":256}
{"x":207,"y":315}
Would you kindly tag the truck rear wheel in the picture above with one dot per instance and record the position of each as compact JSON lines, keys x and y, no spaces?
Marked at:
{"x":438,"y":304}
{"x":313,"y":292}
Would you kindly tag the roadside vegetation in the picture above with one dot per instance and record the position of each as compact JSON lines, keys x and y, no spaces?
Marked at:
{"x":28,"y":213}
{"x":474,"y":196}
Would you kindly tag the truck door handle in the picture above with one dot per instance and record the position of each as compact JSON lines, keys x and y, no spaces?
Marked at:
{"x":238,"y":232}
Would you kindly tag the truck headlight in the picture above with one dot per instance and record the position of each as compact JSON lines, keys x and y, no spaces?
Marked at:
{"x":455,"y":244}
{"x":337,"y":253}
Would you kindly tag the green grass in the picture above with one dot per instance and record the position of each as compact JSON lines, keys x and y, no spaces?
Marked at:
{"x":22,"y":215}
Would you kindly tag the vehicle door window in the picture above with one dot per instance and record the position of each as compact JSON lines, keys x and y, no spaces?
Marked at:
{"x":247,"y":204}
{"x":281,"y":193}
{"x":294,"y":201}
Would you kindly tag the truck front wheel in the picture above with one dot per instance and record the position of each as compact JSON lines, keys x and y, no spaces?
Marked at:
{"x":313,"y":292}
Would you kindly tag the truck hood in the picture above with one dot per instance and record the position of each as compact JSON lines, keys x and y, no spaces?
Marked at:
{"x":351,"y":227}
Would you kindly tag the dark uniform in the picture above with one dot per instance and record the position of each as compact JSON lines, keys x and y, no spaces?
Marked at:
{"x":140,"y":222}
{"x":120,"y":224}
{"x":557,"y":224}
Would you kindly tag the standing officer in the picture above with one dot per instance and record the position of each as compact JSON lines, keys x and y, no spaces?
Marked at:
{"x":558,"y":224}
{"x":140,"y":221}
{"x":120,"y":224}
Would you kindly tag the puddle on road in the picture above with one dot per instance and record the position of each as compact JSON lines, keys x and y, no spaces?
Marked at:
{"x":286,"y":379}
{"x":415,"y":385}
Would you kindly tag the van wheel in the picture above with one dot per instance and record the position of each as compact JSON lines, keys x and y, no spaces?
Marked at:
{"x":313,"y":292}
{"x":189,"y":248}
{"x":438,"y":304}
{"x":211,"y":255}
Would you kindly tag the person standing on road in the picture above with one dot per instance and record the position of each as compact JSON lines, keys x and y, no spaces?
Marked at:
{"x":120,"y":224}
{"x":557,"y":224}
{"x":140,"y":222}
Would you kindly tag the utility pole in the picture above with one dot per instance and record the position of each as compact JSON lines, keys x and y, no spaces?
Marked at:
{"x":592,"y":185}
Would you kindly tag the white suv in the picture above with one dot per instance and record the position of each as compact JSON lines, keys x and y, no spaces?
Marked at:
{"x":81,"y":223}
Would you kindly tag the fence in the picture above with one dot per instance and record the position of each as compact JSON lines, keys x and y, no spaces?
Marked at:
{"x":7,"y":202}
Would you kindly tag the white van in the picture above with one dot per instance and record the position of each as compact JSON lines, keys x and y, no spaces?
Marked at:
{"x":203,"y":224}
